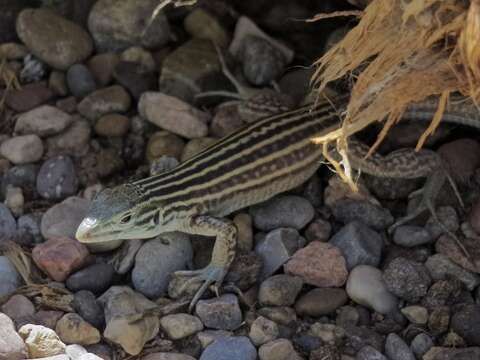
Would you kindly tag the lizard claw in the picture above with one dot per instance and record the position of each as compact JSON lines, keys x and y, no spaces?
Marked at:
{"x":210,"y":275}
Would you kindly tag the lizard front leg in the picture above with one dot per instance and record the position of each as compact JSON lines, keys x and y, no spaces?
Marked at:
{"x":222,"y":256}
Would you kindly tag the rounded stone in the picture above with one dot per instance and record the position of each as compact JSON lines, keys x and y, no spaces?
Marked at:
{"x":96,"y":278}
{"x":80,"y":80}
{"x":179,"y":326}
{"x":22,"y":149}
{"x":230,"y":348}
{"x":87,"y":306}
{"x":57,"y":178}
{"x":8,"y":225}
{"x":164,"y":143}
{"x":279,"y":290}
{"x":112,"y":125}
{"x":319,"y":302}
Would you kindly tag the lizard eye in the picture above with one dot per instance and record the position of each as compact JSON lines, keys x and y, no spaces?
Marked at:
{"x":126,"y":219}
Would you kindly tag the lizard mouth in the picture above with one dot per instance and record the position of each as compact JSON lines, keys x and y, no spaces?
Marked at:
{"x":85,"y":230}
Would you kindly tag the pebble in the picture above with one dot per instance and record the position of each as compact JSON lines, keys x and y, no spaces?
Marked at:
{"x":366,"y":286}
{"x":319,"y":264}
{"x":95,"y":278}
{"x":57,"y":82}
{"x":118,"y":24}
{"x":14,"y":200}
{"x":439,"y":320}
{"x":72,"y":329}
{"x":374,"y":216}
{"x":164,"y":143}
{"x":173,"y":114}
{"x":80,"y":80}
{"x":276,"y":249}
{"x":41,"y":341}
{"x":282,"y":315}
{"x":63,"y":218}
{"x":102,"y":66}
{"x":87,"y":306}
{"x":328,"y":333}
{"x":263,"y":330}
{"x":359,"y":244}
{"x":243,"y":223}
{"x":126,"y":326}
{"x":226,"y":120}
{"x":48,"y":318}
{"x":347,"y":316}
{"x":28,"y":97}
{"x":140,"y":56}
{"x":207,"y":337}
{"x":222,"y":313}
{"x":33,"y":70}
{"x":202,"y":24}
{"x":319,"y":230}
{"x":440,"y":267}
{"x":244,"y":271}
{"x":74,"y":141}
{"x":135,"y":78}
{"x":369,"y":353}
{"x":12,"y":346}
{"x":359,"y":336}
{"x":22,"y":149}
{"x":326,"y":352}
{"x":157,"y":259}
{"x":416,"y":314}
{"x":10,"y":279}
{"x":412,"y":235}
{"x":162,"y":164}
{"x":282,"y":211}
{"x":279,"y":290}
{"x":75,"y":351}
{"x":262,"y":61}
{"x":444,"y":353}
{"x":194,"y":146}
{"x":43,"y":41}
{"x":112,"y":125}
{"x":446,"y":216}
{"x":59,"y":257}
{"x":280,"y":349}
{"x":179,"y":326}
{"x":397,"y":349}
{"x":466,"y":323}
{"x":462,"y":158}
{"x":112,"y":99}
{"x":167,"y":356}
{"x":319,"y":302}
{"x":8,"y":225}
{"x":57,"y":178}
{"x":421,"y":344}
{"x":230,"y":348}
{"x":408,"y":280}
{"x":18,"y":306}
{"x":23,"y":176}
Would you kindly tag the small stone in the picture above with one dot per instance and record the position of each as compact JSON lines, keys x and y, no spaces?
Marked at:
{"x":262,"y":331}
{"x":57,"y":178}
{"x":466,"y":323}
{"x":411,"y":235}
{"x":421,"y":344}
{"x":446,"y":218}
{"x":407,"y":279}
{"x":282,"y":211}
{"x":112,"y":99}
{"x":318,"y":230}
{"x":366,"y":286}
{"x":282,"y":315}
{"x":359,"y":336}
{"x":102,"y":67}
{"x":137,"y":54}
{"x":23,"y":176}
{"x":222,"y":313}
{"x":87,"y":306}
{"x":359,"y":244}
{"x":326,"y":352}
{"x":281,"y":349}
{"x":135,"y":78}
{"x":74,"y":141}
{"x":167,"y":356}
{"x":276,"y":249}
{"x":328,"y":333}
{"x":226,"y":120}
{"x":157,"y":259}
{"x":59,"y":257}
{"x":18,"y":306}
{"x":72,"y":329}
{"x":8,"y":225}
{"x":397,"y":349}
{"x":179,"y":326}
{"x":243,"y":223}
{"x":33,"y":70}
{"x":41,"y":341}
{"x":75,"y":351}
{"x":14,"y":200}
{"x":11,"y":344}
{"x":417,"y":315}
{"x":207,"y":337}
{"x":22,"y":149}
{"x":164,"y":143}
{"x":439,"y":320}
{"x":60,"y":44}
{"x":80,"y":80}
{"x":347,"y":316}
{"x":63,"y":218}
{"x":10,"y":279}
{"x":462,"y":158}
{"x":374,"y":216}
{"x":96,"y":278}
{"x":162,"y":164}
{"x":318,"y":264}
{"x":48,"y":318}
{"x":279,"y":290}
{"x":244,"y":271}
{"x":230,"y":348}
{"x":117,"y":25}
{"x":174,"y":115}
{"x":57,"y":82}
{"x":369,"y":353}
{"x":194,"y":146}
{"x":112,"y":125}
{"x":203,"y":25}
{"x":319,"y":302}
{"x":444,"y":353}
{"x":440,"y":267}
{"x":28,"y":97}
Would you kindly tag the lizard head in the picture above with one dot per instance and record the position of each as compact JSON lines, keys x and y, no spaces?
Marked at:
{"x":117,"y":214}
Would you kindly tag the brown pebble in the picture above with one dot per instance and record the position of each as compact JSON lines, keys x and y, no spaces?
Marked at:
{"x":112,"y":125}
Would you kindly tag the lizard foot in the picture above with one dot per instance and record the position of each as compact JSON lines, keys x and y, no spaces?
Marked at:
{"x":210,"y":275}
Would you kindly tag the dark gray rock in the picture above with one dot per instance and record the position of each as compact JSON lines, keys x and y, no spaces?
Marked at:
{"x":411,"y":235}
{"x":279,"y":290}
{"x":135,"y":78}
{"x":23,"y":176}
{"x":222,"y":313}
{"x":57,"y":178}
{"x":359,"y":244}
{"x":466,"y":323}
{"x":322,"y":301}
{"x":10,"y":279}
{"x":87,"y":306}
{"x":28,"y":229}
{"x":397,"y":349}
{"x":230,"y":348}
{"x":421,"y":344}
{"x":95,"y":278}
{"x":358,"y":337}
{"x":80,"y":80}
{"x":282,"y":211}
{"x":8,"y":225}
{"x":369,"y":353}
{"x":374,"y":216}
{"x":407,"y":279}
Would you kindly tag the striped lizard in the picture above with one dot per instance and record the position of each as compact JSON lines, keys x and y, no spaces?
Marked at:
{"x":268,"y":156}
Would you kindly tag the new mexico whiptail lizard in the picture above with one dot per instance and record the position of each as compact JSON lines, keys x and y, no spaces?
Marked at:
{"x":265,"y":158}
